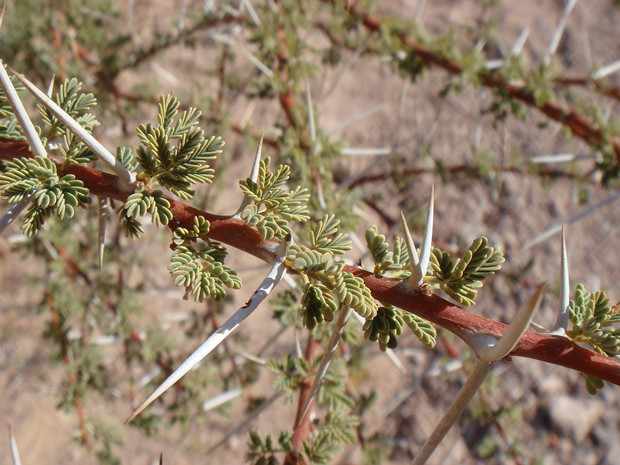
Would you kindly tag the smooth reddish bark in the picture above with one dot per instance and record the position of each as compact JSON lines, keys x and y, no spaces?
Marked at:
{"x":465,"y":324}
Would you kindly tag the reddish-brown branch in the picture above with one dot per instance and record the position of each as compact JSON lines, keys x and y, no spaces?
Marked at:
{"x":462,"y":168}
{"x":602,"y":88}
{"x":302,"y":429}
{"x":472,"y":328}
{"x":468,"y":326}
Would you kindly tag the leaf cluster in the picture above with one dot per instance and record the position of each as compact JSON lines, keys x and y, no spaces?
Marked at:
{"x":596,"y":323}
{"x":51,"y":194}
{"x":76,"y":104}
{"x":290,"y":373}
{"x":337,"y":427}
{"x":199,"y":266}
{"x":327,"y":287}
{"x":461,"y":277}
{"x":262,"y":449}
{"x":394,"y":263}
{"x":272,"y":205}
{"x":175,"y":153}
{"x":140,"y":203}
{"x":388,"y":324}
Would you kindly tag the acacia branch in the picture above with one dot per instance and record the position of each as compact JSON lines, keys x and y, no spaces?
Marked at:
{"x":470,"y":327}
{"x":569,"y":117}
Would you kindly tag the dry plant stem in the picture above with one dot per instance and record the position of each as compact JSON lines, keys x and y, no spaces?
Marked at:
{"x":544,"y":347}
{"x":328,"y":354}
{"x":303,"y":422}
{"x":460,"y":402}
{"x":466,"y":169}
{"x":577,"y":123}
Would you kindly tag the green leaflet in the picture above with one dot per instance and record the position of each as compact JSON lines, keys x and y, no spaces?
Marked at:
{"x":461,"y":278}
{"x":201,"y":274}
{"x":37,"y":179}
{"x":272,"y":206}
{"x":200,"y":270}
{"x":595,"y":321}
{"x":384,"y":327}
{"x":176,"y":152}
{"x":70,"y":98}
{"x":388,"y":323}
{"x":424,"y":330}
{"x":317,"y":305}
{"x":142,"y":202}
{"x":325,"y":236}
{"x":353,"y":293}
{"x":395,"y":263}
{"x":262,"y":450}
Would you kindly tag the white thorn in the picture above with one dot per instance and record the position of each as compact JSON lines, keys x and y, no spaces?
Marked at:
{"x":553,"y":158}
{"x":262,"y":67}
{"x":561,"y":322}
{"x":559,"y":30}
{"x":20,"y":113}
{"x":319,"y":194}
{"x":367,"y":151}
{"x":50,"y":87}
{"x":556,"y":228}
{"x":253,"y":175}
{"x":251,"y":12}
{"x":2,"y":14}
{"x":427,"y":242}
{"x":486,"y":356}
{"x":418,"y":11}
{"x":14,"y":450}
{"x":256,"y":166}
{"x":606,"y":70}
{"x":518,"y":46}
{"x":98,"y":149}
{"x":12,"y":213}
{"x":414,"y":261}
{"x":264,"y":289}
{"x":514,"y":332}
{"x":356,"y":118}
{"x":221,"y":399}
{"x":334,"y":340}
{"x":460,"y":402}
{"x":392,"y":357}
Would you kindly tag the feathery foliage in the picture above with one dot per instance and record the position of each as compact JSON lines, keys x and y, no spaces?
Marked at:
{"x":461,"y":277}
{"x":262,"y":449}
{"x":37,"y":179}
{"x":596,"y":323}
{"x":175,"y":153}
{"x":200,"y":269}
{"x":272,"y":206}
{"x":394,"y":263}
{"x":77,"y":104}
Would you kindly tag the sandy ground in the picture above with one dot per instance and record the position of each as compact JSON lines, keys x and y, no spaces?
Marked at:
{"x":509,"y":208}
